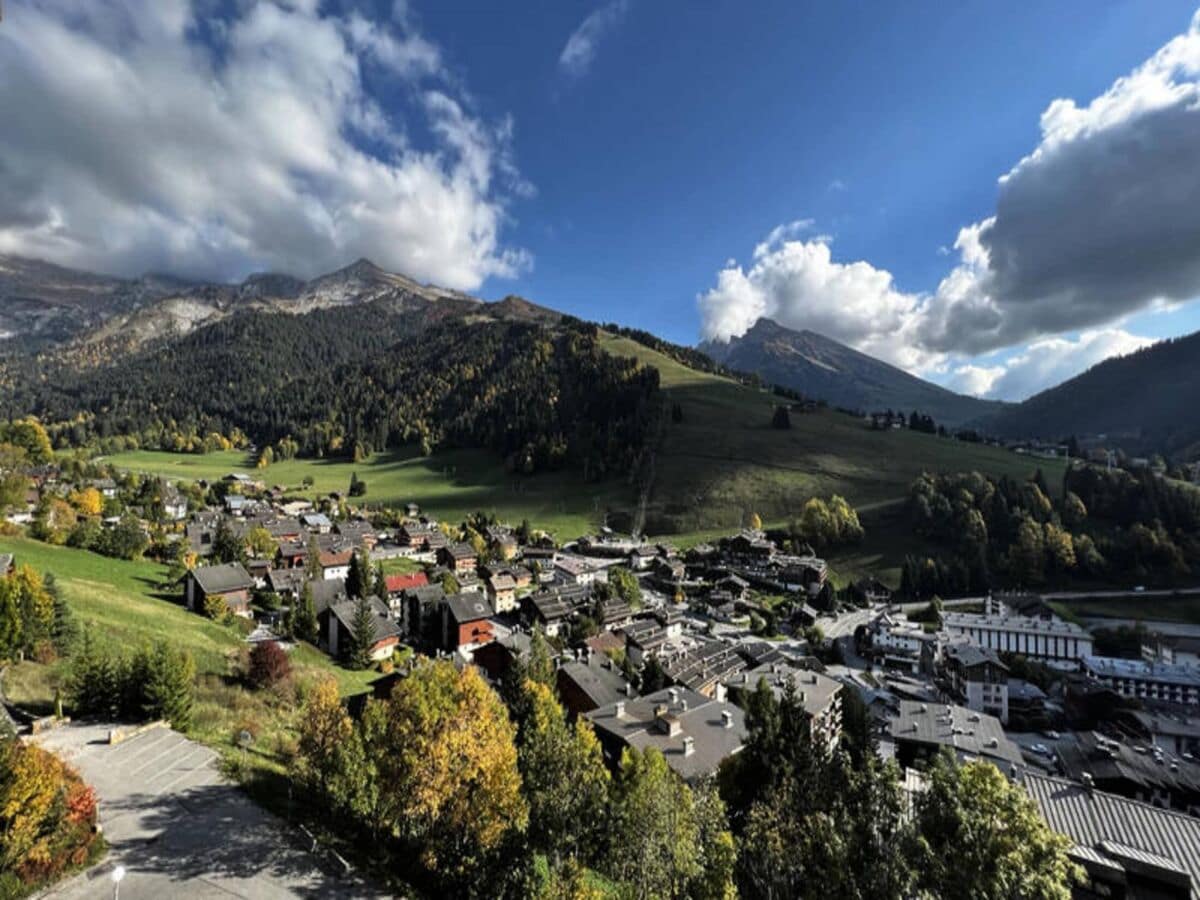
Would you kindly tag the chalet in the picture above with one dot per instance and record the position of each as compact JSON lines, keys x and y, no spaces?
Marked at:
{"x":870,"y":591}
{"x":284,"y":529}
{"x":229,"y":582}
{"x":357,"y":533}
{"x":502,"y":591}
{"x":749,"y":545}
{"x":580,"y":571}
{"x":106,"y":486}
{"x":498,"y":657}
{"x":553,"y":609}
{"x":694,"y":733}
{"x":416,"y":535}
{"x":420,"y":612}
{"x":502,"y":542}
{"x":668,"y":573}
{"x":458,"y":557}
{"x":315,"y":521}
{"x":466,"y":622}
{"x":200,"y":533}
{"x":327,"y":593}
{"x":704,"y":667}
{"x":640,"y":557}
{"x":291,"y":554}
{"x":286,"y":582}
{"x":398,"y":584}
{"x":339,"y":626}
{"x":235,"y":504}
{"x":175,"y":505}
{"x":335,"y":564}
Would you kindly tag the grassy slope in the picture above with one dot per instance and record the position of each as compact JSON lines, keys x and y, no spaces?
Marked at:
{"x":450,"y":485}
{"x":724,"y":461}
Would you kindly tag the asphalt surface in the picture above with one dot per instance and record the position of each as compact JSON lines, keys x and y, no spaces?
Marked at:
{"x":181,"y":829}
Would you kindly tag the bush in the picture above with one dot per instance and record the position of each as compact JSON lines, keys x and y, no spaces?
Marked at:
{"x":269,"y":665}
{"x":47,"y":818}
{"x":215,"y":608}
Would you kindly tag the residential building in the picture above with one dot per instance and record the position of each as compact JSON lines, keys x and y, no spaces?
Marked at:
{"x":1132,"y":770}
{"x":458,"y":557}
{"x":1026,"y":706}
{"x":1054,"y":642}
{"x":922,"y":730}
{"x":502,"y":591}
{"x":1162,"y":682}
{"x":702,"y":666}
{"x":820,"y":696}
{"x":978,"y":678}
{"x":335,"y":564}
{"x":579,"y":571}
{"x":466,"y":621}
{"x":339,"y":628}
{"x":229,"y":582}
{"x":694,"y":733}
{"x":591,"y":682}
{"x":1127,"y":849}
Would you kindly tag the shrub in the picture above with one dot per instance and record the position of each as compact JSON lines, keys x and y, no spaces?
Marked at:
{"x":215,"y":608}
{"x":269,"y":665}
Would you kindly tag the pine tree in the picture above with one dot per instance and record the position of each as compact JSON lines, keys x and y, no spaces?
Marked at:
{"x":169,"y":689}
{"x":362,"y":635}
{"x":64,"y":630}
{"x":381,"y":589}
{"x":312,"y":559}
{"x":356,"y":577}
{"x":305,"y":620}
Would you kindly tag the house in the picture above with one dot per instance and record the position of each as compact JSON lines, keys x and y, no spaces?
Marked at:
{"x":502,"y":542}
{"x":1131,"y":770}
{"x":416,"y":535}
{"x":357,"y":533}
{"x":502,"y":591}
{"x":553,"y":609}
{"x":749,"y":545}
{"x":229,"y":582}
{"x":979,"y":678}
{"x":579,"y":571}
{"x":458,"y":557}
{"x":420,"y":612}
{"x":641,"y":557}
{"x":339,"y":628}
{"x":106,"y":486}
{"x":703,"y":667}
{"x":175,"y":505}
{"x":870,"y":591}
{"x":695,"y":734}
{"x":590,"y":682}
{"x":1127,"y":849}
{"x":1026,"y":706}
{"x":286,"y":582}
{"x":335,"y":565}
{"x":315,"y":521}
{"x":922,"y":730}
{"x":820,"y":696}
{"x":398,"y":584}
{"x":466,"y":622}
{"x":498,"y":657}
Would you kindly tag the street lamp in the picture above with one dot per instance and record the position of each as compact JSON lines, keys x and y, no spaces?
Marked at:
{"x":117,"y":874}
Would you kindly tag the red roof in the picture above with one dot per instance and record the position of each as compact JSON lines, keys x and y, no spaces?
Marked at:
{"x":397,"y":583}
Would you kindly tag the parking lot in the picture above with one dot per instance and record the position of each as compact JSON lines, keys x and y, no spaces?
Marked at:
{"x":181,"y":829}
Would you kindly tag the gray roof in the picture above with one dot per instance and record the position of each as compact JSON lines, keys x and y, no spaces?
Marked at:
{"x":968,"y":733}
{"x":468,"y":607}
{"x":327,"y":591}
{"x":971,"y":655}
{"x":385,"y":626}
{"x":1119,"y":830}
{"x":223,"y":578}
{"x":598,"y":678}
{"x":706,"y":664}
{"x":814,"y":691}
{"x":690,"y":715}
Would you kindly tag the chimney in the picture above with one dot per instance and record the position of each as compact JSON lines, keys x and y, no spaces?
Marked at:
{"x":683,"y":705}
{"x":689,"y":746}
{"x":628,"y":689}
{"x":1089,"y":783}
{"x":620,"y":708}
{"x":673,"y":693}
{"x":727,"y":719}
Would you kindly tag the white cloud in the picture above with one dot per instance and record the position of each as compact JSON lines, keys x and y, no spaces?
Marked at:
{"x":1051,"y":361}
{"x":150,"y":135}
{"x":972,"y":379}
{"x":1100,"y":220}
{"x":580,"y":49}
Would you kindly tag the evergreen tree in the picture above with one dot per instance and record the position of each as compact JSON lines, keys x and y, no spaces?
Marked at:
{"x":362,"y":635}
{"x":64,"y":630}
{"x":226,"y":547}
{"x":312,"y":559}
{"x":356,"y":578}
{"x":380,"y":588}
{"x":169,"y":687}
{"x":305,"y":621}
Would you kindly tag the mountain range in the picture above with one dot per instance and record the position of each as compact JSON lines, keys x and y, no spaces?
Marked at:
{"x":1142,"y":401}
{"x":822,"y":368}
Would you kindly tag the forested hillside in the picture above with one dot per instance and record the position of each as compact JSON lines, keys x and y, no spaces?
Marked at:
{"x":350,"y":381}
{"x":1145,"y":401}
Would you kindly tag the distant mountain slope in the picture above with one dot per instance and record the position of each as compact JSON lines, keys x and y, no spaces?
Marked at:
{"x":826,"y":370}
{"x":45,"y":305}
{"x":1144,"y":401}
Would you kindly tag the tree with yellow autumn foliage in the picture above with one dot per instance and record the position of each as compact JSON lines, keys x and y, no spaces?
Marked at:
{"x":88,"y":501}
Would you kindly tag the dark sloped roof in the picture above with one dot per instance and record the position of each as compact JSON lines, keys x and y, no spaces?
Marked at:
{"x":223,"y":578}
{"x":468,"y":607}
{"x":1127,"y":831}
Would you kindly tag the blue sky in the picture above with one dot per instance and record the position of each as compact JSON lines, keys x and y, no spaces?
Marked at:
{"x":623,"y":160}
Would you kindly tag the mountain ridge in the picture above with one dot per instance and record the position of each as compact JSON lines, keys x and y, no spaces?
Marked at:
{"x":825,"y":369}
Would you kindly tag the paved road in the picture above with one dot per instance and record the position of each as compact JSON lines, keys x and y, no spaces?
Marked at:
{"x":180,"y":829}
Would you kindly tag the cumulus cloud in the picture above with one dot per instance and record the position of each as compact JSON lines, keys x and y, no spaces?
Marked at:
{"x":1048,"y":361}
{"x":1099,"y":221}
{"x":580,"y":49}
{"x":151,"y":135}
